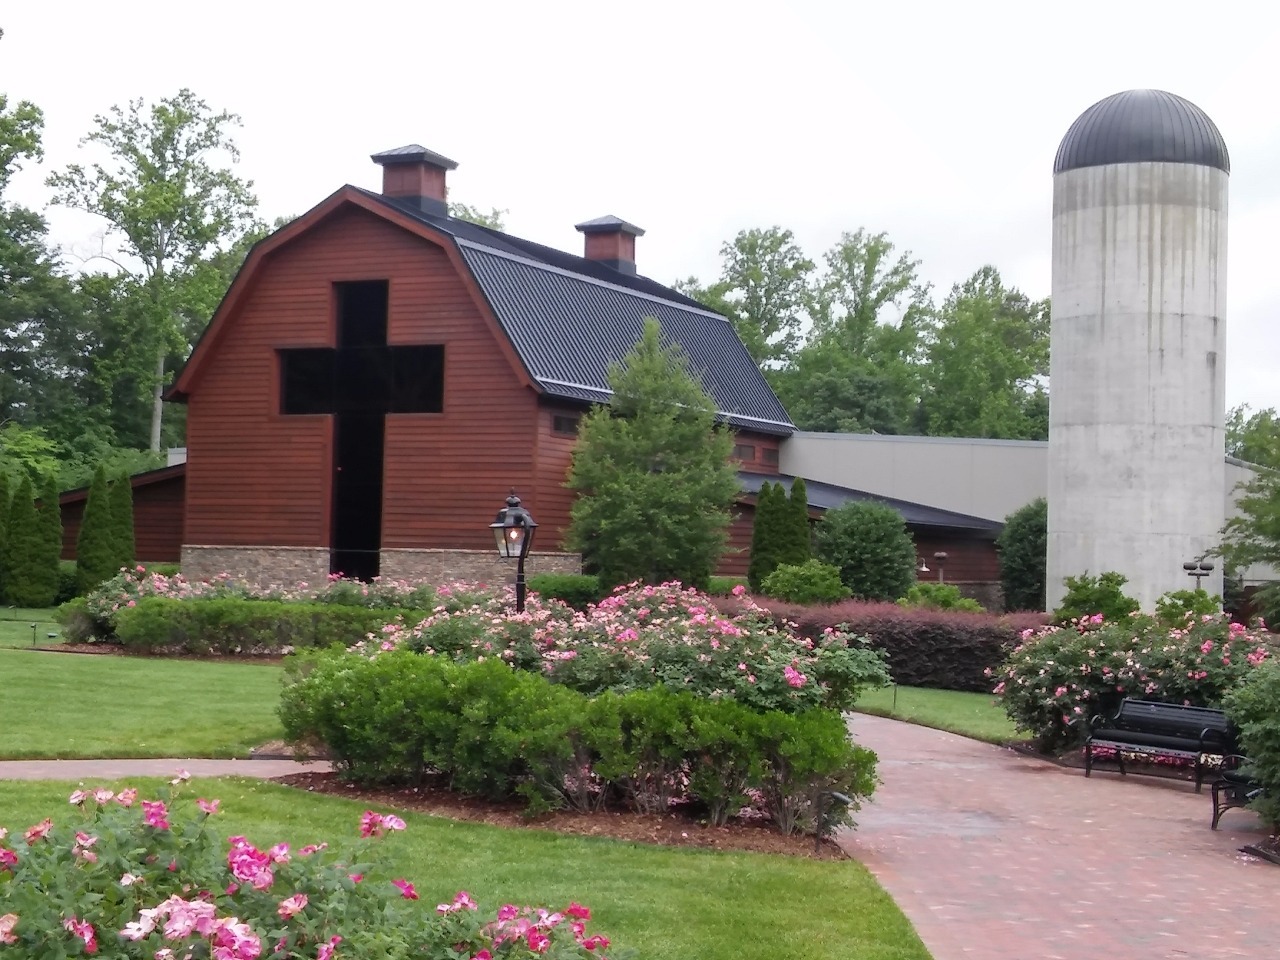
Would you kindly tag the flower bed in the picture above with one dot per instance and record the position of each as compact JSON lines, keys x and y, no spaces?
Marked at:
{"x":644,"y":636}
{"x":1058,"y":676}
{"x":134,"y":878}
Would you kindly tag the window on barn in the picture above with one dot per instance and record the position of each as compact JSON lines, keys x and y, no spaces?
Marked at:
{"x":566,"y":425}
{"x":744,"y":451}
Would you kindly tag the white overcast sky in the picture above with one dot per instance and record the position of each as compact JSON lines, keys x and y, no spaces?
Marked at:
{"x":934,"y":122}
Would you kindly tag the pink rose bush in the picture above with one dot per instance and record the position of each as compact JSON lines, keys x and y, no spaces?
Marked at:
{"x":1058,"y":678}
{"x":644,"y":636}
{"x":167,"y":888}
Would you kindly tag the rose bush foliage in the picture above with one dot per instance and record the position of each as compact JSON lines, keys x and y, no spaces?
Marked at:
{"x":1059,"y":677}
{"x":134,"y":878}
{"x":643,"y":636}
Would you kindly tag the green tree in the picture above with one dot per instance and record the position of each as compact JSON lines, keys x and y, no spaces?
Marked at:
{"x":861,"y":368}
{"x":1254,"y":436}
{"x":174,"y":207}
{"x":764,"y":535}
{"x":1023,"y":549}
{"x":797,"y":544}
{"x":96,"y":545}
{"x":122,"y":539}
{"x":495,"y":219}
{"x":29,"y":581}
{"x":653,"y":473}
{"x":1252,"y":536}
{"x":988,"y":360}
{"x":50,"y":515}
{"x":870,"y":545}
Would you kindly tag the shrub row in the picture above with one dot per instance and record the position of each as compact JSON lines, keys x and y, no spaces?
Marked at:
{"x":499,"y":733}
{"x":228,"y":625}
{"x":1254,"y":707}
{"x":943,"y":649}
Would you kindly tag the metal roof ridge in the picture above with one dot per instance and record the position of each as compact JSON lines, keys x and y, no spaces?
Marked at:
{"x":629,"y":291}
{"x":727,"y":413}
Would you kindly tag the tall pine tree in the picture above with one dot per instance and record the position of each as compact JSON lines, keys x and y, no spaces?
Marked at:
{"x":122,"y":538}
{"x":95,"y":547}
{"x":797,"y":547}
{"x":25,"y":586}
{"x":765,"y":531}
{"x":50,"y":532}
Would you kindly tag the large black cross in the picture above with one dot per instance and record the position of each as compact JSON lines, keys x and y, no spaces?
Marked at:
{"x":360,"y":381}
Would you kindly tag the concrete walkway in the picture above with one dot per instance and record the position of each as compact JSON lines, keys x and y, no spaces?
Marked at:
{"x":999,"y":856}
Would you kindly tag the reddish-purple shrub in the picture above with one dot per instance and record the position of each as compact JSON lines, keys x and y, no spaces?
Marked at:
{"x":943,"y":649}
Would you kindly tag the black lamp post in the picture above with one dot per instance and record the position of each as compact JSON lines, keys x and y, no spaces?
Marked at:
{"x":513,"y":533}
{"x":1199,"y":569}
{"x":940,"y":558}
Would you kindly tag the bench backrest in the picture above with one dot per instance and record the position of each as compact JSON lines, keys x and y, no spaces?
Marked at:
{"x":1174,"y":719}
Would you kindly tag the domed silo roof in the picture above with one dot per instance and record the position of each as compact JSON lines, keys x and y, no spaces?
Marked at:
{"x":1140,"y":126}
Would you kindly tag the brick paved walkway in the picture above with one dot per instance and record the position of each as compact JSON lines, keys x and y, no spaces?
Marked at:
{"x":998,"y":856}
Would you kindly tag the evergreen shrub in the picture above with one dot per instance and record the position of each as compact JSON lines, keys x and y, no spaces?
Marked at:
{"x":939,"y":596}
{"x":578,"y":590}
{"x":96,"y":546}
{"x":872,"y":548}
{"x":1088,"y":596}
{"x":122,"y":539}
{"x":766,"y":534}
{"x":1254,"y":707}
{"x":67,"y":584}
{"x":230,"y":625}
{"x":493,"y":732}
{"x":797,"y":547}
{"x":1022,"y":549}
{"x":808,"y":583}
{"x":31,"y":575}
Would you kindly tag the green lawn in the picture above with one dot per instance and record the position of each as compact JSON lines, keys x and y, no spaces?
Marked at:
{"x":976,"y":715}
{"x":15,"y":626}
{"x":65,"y":706}
{"x":666,"y":903}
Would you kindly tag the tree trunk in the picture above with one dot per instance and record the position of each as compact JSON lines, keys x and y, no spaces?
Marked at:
{"x":157,"y":403}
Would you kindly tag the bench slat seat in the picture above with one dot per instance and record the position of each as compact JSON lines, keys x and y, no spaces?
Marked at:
{"x":1161,"y":729}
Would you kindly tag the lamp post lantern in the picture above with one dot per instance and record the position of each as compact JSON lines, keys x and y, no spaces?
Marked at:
{"x":513,"y":533}
{"x":940,"y":558}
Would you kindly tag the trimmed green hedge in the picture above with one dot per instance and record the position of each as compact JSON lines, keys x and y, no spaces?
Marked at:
{"x":576,"y":589}
{"x":495,"y":732}
{"x":229,"y":625}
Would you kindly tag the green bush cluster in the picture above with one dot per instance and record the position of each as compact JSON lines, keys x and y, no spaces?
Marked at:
{"x":1023,"y":552}
{"x":578,"y":590}
{"x":810,"y":582}
{"x":939,"y":596}
{"x":490,"y":731}
{"x":779,"y":532}
{"x":1061,"y":676}
{"x":724,"y":586}
{"x":870,"y":544}
{"x":1254,"y":707}
{"x":230,"y":625}
{"x":1088,"y":596}
{"x":1174,"y":607}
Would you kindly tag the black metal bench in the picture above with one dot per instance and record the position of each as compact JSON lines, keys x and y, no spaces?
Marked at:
{"x":1235,"y":787}
{"x":1162,"y":729}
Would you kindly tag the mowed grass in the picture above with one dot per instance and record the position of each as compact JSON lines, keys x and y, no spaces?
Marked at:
{"x":70,"y":706}
{"x":976,"y":715}
{"x":667,"y":903}
{"x":15,"y":626}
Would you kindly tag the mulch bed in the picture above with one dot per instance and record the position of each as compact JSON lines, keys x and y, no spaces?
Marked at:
{"x":675,"y":829}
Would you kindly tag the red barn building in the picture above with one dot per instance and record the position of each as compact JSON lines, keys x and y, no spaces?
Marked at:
{"x":380,"y":375}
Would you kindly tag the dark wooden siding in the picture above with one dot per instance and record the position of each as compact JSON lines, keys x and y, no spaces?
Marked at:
{"x":157,"y":519}
{"x":764,"y":451}
{"x":553,"y":499}
{"x":968,"y":560}
{"x":259,"y":478}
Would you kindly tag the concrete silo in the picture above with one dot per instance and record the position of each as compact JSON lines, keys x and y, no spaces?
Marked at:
{"x":1136,"y":412}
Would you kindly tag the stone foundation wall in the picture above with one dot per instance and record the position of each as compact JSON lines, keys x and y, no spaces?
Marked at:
{"x":989,"y":594}
{"x":483,"y":566}
{"x":288,"y":566}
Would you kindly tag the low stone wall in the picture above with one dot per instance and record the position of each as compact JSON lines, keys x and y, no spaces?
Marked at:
{"x":989,"y":594}
{"x":482,"y":566}
{"x":265,"y":565}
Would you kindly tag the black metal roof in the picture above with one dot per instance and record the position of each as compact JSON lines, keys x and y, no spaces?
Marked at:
{"x":413,"y":153}
{"x":608,"y":224}
{"x":569,"y":318}
{"x":825,"y":496}
{"x":1139,"y":126}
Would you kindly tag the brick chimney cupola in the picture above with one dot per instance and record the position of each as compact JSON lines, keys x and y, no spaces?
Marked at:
{"x":611,"y":241}
{"x":416,"y":174}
